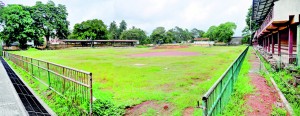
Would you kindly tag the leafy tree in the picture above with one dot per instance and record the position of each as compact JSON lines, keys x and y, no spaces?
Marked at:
{"x":17,"y":25}
{"x":170,"y":36}
{"x":51,"y":19}
{"x":246,"y":31}
{"x":226,"y":31}
{"x":195,"y":32}
{"x":221,"y":33}
{"x":135,"y":34}
{"x":113,"y":30}
{"x":201,"y":33}
{"x":158,"y":35}
{"x":91,"y":29}
{"x":211,"y":33}
{"x":122,"y":27}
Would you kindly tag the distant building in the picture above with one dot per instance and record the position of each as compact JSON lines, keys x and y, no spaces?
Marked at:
{"x":237,"y":40}
{"x":203,"y":42}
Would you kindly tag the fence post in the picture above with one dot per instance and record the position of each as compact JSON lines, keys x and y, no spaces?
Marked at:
{"x":48,"y":74}
{"x":91,"y":95}
{"x":204,"y":104}
{"x":64,"y":82}
{"x":38,"y":63}
{"x":31,"y":66}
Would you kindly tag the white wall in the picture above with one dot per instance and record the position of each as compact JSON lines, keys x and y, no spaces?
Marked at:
{"x":284,"y":8}
{"x":204,"y":42}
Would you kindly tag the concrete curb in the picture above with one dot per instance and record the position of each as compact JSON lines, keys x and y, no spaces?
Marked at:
{"x":285,"y":102}
{"x":49,"y":110}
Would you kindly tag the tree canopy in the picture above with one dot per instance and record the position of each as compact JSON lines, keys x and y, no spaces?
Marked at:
{"x":247,"y":31}
{"x":17,"y":25}
{"x":51,"y":19}
{"x":113,"y":31}
{"x":135,"y":34}
{"x":221,"y":33}
{"x":22,"y":23}
{"x":90,"y":30}
{"x":158,"y":35}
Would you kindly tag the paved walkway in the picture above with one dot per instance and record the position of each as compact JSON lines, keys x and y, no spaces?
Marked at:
{"x":264,"y":96}
{"x":10,"y":103}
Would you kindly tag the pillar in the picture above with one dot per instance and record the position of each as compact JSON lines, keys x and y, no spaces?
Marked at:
{"x":272,"y":38}
{"x":263,"y":42}
{"x":298,"y":44}
{"x":279,"y":43}
{"x":291,"y":37}
{"x":268,"y":43}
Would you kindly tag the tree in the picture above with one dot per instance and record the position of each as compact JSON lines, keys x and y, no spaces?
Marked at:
{"x":113,"y":30}
{"x":221,"y":33}
{"x":201,"y":33}
{"x":170,"y":36}
{"x":122,"y":27}
{"x":195,"y":32}
{"x":226,"y":31}
{"x":134,"y":34}
{"x":246,"y":31}
{"x":158,"y":35}
{"x":51,"y":19}
{"x":211,"y":33}
{"x":17,"y":25}
{"x":91,"y":29}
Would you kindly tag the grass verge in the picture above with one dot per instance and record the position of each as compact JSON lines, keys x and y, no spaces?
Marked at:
{"x":283,"y":79}
{"x":242,"y":87}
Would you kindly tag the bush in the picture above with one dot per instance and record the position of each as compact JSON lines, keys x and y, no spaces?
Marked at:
{"x":106,"y":108}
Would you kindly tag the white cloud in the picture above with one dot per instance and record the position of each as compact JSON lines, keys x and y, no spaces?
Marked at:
{"x":149,"y":14}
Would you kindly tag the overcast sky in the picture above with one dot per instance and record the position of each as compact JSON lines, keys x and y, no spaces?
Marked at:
{"x":149,"y":14}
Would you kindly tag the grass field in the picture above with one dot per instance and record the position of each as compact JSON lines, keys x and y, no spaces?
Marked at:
{"x":179,"y":81}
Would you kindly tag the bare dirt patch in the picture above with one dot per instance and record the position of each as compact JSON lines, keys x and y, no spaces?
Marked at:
{"x":164,"y":109}
{"x":188,"y":111}
{"x":166,"y":53}
{"x":170,"y":47}
{"x":264,"y":97}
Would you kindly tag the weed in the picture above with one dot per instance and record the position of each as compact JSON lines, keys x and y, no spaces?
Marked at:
{"x":276,"y":111}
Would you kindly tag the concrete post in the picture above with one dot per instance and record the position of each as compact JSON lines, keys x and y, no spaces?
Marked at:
{"x":268,"y":43}
{"x":298,"y":44}
{"x":272,"y":38}
{"x":291,"y":36}
{"x":279,"y":43}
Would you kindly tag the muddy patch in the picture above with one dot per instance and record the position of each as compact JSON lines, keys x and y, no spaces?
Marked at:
{"x":164,"y":109}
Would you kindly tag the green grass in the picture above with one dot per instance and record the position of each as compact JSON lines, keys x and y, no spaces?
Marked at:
{"x":236,"y":105}
{"x":179,"y":80}
{"x":282,"y":79}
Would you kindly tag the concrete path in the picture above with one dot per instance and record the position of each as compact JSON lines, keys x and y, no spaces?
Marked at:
{"x":10,"y":103}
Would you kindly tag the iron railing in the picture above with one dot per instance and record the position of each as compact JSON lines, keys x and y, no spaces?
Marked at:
{"x":74,"y":85}
{"x":219,"y":94}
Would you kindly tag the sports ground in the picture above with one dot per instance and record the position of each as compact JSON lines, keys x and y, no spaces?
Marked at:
{"x":147,"y":80}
